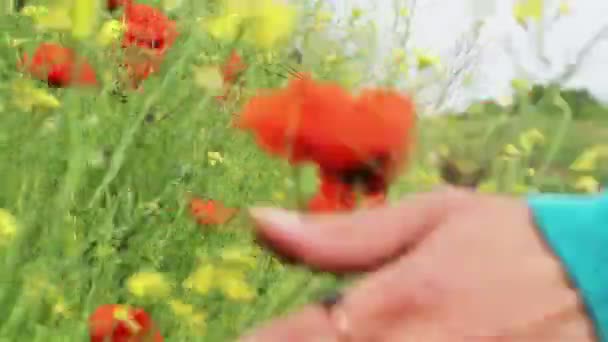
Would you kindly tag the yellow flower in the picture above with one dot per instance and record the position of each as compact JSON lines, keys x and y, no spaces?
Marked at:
{"x":426,"y":60}
{"x":530,"y":139}
{"x":564,"y":7}
{"x":587,"y":184}
{"x":263,"y":23}
{"x":226,"y":27}
{"x":8,"y":227}
{"x":27,"y":98}
{"x":587,"y":161}
{"x":404,"y":12}
{"x":356,"y":13}
{"x":239,"y":255}
{"x":54,"y":18}
{"x":60,"y":308}
{"x":233,"y":285}
{"x":110,"y":32}
{"x":149,"y":284}
{"x":511,"y":151}
{"x":34,"y":11}
{"x":201,"y":280}
{"x":278,"y":196}
{"x":187,"y":313}
{"x":528,"y":9}
{"x":84,"y":15}
{"x":231,"y":282}
{"x":521,"y":85}
{"x":215,"y":158}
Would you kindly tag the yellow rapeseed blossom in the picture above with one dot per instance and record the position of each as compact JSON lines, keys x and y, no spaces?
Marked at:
{"x":511,"y":151}
{"x":209,"y":78}
{"x":60,"y":308}
{"x":85,"y":15}
{"x":215,"y":158}
{"x":27,"y":97}
{"x":521,"y":85}
{"x":587,"y":161}
{"x":279,"y":196}
{"x":426,"y":60}
{"x":195,"y":319}
{"x":110,"y":32}
{"x":263,"y":23}
{"x":528,"y":140}
{"x":231,"y":282}
{"x":587,"y":184}
{"x":34,"y":11}
{"x":149,"y":284}
{"x":201,"y":280}
{"x":564,"y":7}
{"x":525,"y":10}
{"x":404,"y":12}
{"x":239,"y":255}
{"x":356,"y":13}
{"x":54,"y":18}
{"x":8,"y":227}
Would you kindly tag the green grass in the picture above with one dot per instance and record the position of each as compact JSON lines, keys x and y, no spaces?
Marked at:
{"x":99,"y":190}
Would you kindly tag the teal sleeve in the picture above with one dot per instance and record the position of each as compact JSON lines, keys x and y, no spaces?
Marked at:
{"x":576,"y":228}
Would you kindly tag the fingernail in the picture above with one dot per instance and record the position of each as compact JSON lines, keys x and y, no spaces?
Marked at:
{"x":277,"y":218}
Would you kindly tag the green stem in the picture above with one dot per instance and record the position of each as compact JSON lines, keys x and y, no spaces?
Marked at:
{"x":560,"y":136}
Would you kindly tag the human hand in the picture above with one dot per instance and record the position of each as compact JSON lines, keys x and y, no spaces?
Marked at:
{"x":450,"y":265}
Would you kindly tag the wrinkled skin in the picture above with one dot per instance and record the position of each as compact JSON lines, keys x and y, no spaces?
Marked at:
{"x":451,"y":265}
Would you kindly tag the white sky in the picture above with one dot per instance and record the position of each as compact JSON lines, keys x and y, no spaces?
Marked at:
{"x":439,"y":23}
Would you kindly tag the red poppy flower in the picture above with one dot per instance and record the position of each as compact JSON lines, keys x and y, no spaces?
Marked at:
{"x":231,"y":71}
{"x":121,"y":323}
{"x":149,"y":34}
{"x":233,"y":67}
{"x":335,"y":195}
{"x":149,"y":28}
{"x":59,"y":66}
{"x":209,"y":212}
{"x":358,"y":142}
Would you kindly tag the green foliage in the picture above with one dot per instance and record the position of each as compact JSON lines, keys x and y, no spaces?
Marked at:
{"x":99,"y":186}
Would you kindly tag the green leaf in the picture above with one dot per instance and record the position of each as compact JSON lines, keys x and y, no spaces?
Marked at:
{"x":170,"y":5}
{"x":309,"y":180}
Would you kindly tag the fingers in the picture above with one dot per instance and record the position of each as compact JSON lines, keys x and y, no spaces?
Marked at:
{"x":391,"y":302}
{"x":355,"y":241}
{"x":311,"y":324}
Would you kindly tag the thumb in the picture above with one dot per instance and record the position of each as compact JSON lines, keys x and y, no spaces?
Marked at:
{"x":355,"y":241}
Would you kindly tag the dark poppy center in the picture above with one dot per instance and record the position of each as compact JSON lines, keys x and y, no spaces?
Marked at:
{"x":371,"y":175}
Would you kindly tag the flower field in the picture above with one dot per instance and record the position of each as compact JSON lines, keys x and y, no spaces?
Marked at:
{"x":134,"y":136}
